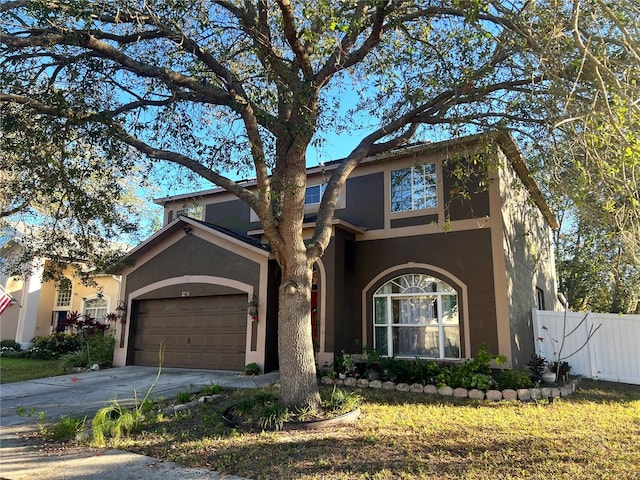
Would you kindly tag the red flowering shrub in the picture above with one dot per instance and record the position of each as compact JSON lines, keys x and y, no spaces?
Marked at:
{"x":82,"y":324}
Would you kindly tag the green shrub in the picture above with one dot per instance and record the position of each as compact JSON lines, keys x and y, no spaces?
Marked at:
{"x":53,"y":346}
{"x":10,"y":353}
{"x":252,"y":369}
{"x":423,"y":371}
{"x":260,"y":408}
{"x":79,"y":359}
{"x":9,"y":344}
{"x":473,"y":373}
{"x":96,"y":349}
{"x":147,"y":406}
{"x":115,"y":421}
{"x":445,"y":376}
{"x":514,"y":379}
{"x":344,"y":363}
{"x":266,"y":395}
{"x":370,"y":355}
{"x":101,"y":349}
{"x":243,"y":406}
{"x":389,"y":368}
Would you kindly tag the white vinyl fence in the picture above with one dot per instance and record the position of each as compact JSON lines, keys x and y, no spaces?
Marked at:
{"x":613,"y":353}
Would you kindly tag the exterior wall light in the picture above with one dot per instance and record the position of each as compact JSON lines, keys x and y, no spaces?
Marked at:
{"x":252,"y":308}
{"x":121,"y":311}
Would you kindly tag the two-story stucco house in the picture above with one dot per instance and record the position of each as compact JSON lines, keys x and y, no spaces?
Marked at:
{"x":41,"y":306}
{"x":436,"y":248}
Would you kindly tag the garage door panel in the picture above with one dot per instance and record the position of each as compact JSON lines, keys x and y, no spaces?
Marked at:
{"x":200,"y":332}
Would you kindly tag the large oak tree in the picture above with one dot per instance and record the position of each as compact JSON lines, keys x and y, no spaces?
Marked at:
{"x":221,"y":87}
{"x":60,"y":196}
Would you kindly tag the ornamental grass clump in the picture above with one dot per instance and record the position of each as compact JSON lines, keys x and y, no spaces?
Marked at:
{"x":342,"y":401}
{"x":273,"y":415}
{"x":116,"y":421}
{"x":67,"y":428}
{"x":259,"y":408}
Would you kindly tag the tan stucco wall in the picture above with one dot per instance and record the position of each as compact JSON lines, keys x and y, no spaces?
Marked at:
{"x":45,"y":307}
{"x":529,"y":260}
{"x":9,"y":318}
{"x":107,"y":285}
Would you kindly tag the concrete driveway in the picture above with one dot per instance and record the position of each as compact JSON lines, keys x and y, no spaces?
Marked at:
{"x":84,"y":394}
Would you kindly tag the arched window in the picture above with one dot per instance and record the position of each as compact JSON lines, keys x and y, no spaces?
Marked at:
{"x":416,"y":315}
{"x":96,"y":308}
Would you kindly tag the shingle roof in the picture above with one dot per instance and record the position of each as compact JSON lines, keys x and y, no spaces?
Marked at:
{"x":238,"y":236}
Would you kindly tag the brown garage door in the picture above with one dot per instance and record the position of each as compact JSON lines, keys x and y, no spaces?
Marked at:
{"x":198,"y":332}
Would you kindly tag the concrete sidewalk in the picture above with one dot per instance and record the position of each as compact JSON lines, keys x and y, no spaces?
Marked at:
{"x":84,"y":394}
{"x":22,"y":462}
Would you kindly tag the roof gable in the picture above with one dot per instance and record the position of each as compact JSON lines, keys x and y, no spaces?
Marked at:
{"x":188,"y":225}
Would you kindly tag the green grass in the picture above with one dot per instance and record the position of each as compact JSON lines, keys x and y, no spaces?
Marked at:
{"x":20,"y":369}
{"x":595,"y":433}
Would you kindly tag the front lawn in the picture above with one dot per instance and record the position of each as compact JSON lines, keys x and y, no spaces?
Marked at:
{"x":594,"y":433}
{"x":20,"y":369}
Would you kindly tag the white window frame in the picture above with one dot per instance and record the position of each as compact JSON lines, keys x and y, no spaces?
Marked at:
{"x":312,"y":207}
{"x":193,"y":211}
{"x":415,"y":289}
{"x":69,"y":297}
{"x":321,"y":189}
{"x":86,"y":301}
{"x":417,"y":198}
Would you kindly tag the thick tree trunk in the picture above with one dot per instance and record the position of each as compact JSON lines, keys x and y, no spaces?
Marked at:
{"x":299,"y":385}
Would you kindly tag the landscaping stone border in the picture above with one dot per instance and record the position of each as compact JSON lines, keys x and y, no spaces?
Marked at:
{"x":522,"y":394}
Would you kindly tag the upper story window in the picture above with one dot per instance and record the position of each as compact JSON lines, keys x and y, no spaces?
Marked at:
{"x":63,"y":293}
{"x":313,"y":194}
{"x":193,"y":211}
{"x":312,"y":198}
{"x":414,"y":188}
{"x":96,"y":308}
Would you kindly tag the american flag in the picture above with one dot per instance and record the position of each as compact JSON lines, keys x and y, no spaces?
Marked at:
{"x":5,"y":301}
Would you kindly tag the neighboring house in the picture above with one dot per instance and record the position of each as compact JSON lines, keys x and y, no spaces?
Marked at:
{"x":431,"y":256}
{"x":40,"y":307}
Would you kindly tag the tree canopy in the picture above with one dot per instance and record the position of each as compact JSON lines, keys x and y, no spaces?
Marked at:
{"x":65,"y":200}
{"x":226,"y":87}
